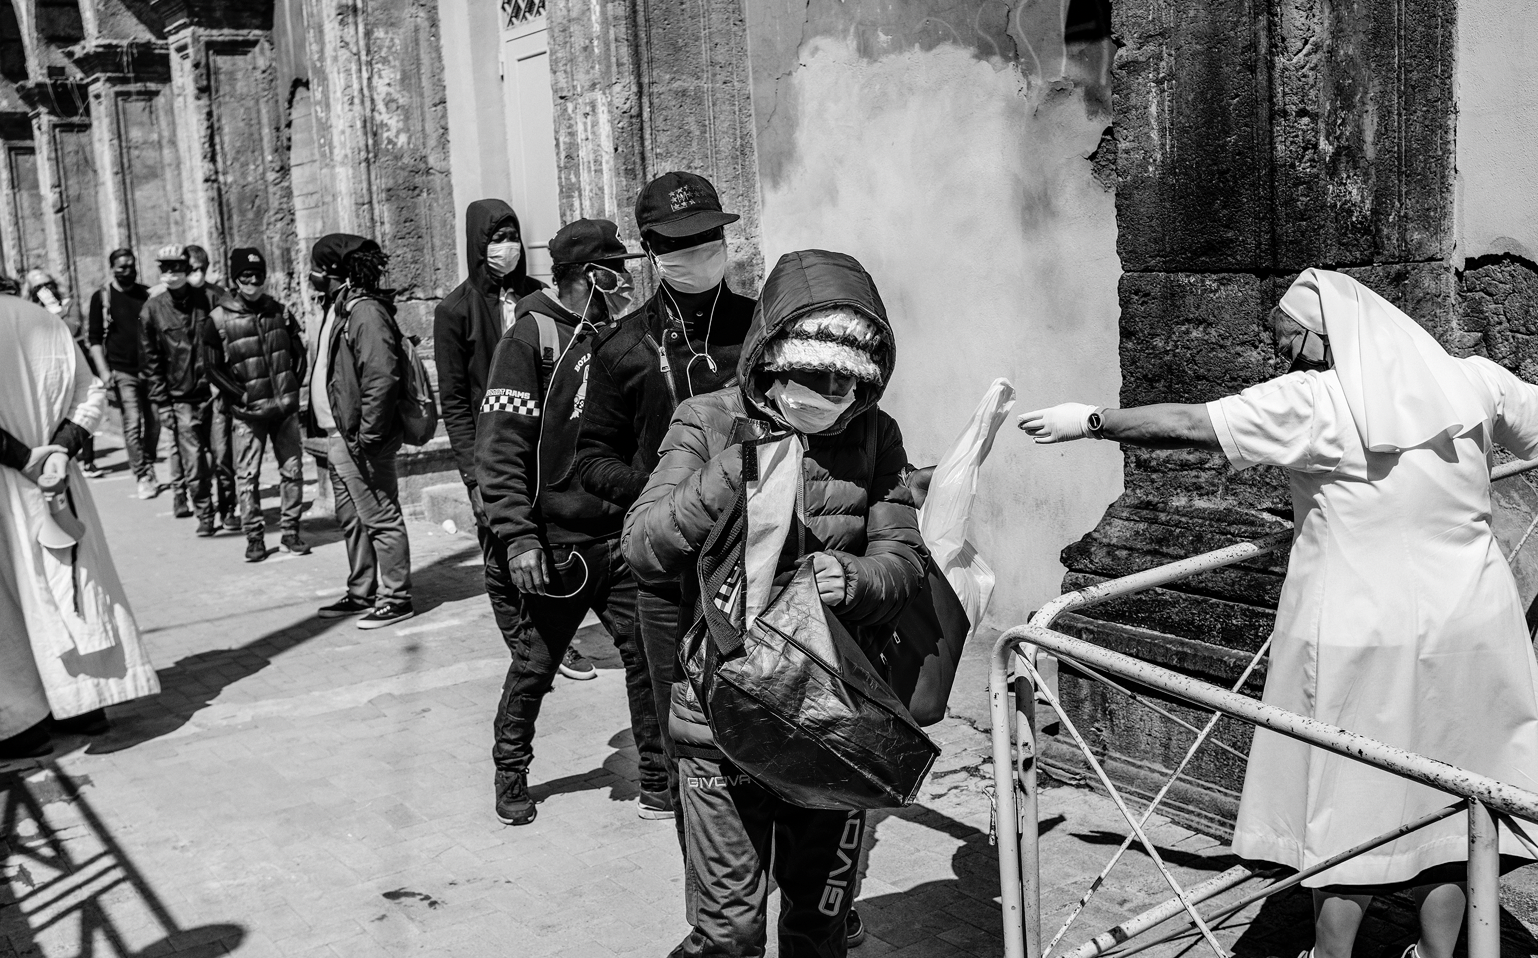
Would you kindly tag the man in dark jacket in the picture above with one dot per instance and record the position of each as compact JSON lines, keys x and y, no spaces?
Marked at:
{"x":112,"y":324}
{"x":354,"y":393}
{"x":467,"y":326}
{"x":683,"y":342}
{"x":551,"y":540}
{"x":812,"y":371}
{"x":254,"y":352}
{"x":169,"y":330}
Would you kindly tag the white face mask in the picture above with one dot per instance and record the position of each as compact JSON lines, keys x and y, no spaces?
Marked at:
{"x":807,"y":411}
{"x":693,"y":270}
{"x":197,"y":278}
{"x":502,"y":258}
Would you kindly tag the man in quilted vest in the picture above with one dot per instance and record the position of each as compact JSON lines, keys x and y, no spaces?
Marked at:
{"x":254,"y":352}
{"x":816,"y":361}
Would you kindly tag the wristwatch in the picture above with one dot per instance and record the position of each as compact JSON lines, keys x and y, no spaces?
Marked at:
{"x":1095,"y":423}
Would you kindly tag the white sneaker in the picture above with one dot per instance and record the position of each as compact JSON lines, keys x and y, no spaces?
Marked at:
{"x":148,"y":488}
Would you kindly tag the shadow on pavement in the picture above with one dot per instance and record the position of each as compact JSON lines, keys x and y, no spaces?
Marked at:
{"x":72,"y":896}
{"x":196,"y":680}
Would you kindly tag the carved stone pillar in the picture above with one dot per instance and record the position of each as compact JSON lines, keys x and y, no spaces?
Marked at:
{"x":67,"y":180}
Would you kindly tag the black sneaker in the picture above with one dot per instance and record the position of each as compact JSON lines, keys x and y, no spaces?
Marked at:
{"x":574,"y":665}
{"x":514,"y":806}
{"x":206,"y":526}
{"x":654,"y":806}
{"x":348,"y":606}
{"x":179,"y":507}
{"x":292,"y":543}
{"x":387,"y":613}
{"x":256,"y":548}
{"x":854,"y":929}
{"x":230,"y":522}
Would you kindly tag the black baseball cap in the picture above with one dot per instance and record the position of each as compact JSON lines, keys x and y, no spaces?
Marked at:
{"x":680,"y":204}
{"x":588,"y":241}
{"x":331,"y":250}
{"x":247,"y":259}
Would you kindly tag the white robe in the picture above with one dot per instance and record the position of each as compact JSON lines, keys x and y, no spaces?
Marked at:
{"x":1399,"y":619}
{"x":68,"y":640}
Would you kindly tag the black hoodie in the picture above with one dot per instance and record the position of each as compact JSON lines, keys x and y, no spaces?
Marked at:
{"x":467,"y":325}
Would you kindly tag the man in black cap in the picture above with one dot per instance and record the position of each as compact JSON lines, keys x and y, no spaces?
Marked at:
{"x":683,"y":342}
{"x":169,"y":329}
{"x":555,"y":547}
{"x":254,"y":351}
{"x":355,"y":391}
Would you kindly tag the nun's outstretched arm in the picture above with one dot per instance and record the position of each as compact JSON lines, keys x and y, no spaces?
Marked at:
{"x":1159,"y":426}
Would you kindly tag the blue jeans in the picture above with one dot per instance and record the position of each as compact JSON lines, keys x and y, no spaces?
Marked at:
{"x":141,"y":427}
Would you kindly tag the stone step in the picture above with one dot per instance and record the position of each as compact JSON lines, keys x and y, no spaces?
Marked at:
{"x":448,"y":501}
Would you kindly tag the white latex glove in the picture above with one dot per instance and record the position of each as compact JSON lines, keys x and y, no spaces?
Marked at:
{"x":1060,"y":423}
{"x":37,"y":459}
{"x":55,"y":472}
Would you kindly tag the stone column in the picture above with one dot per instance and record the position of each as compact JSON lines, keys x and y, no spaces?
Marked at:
{"x":1252,"y":140}
{"x":649,"y":87}
{"x":67,"y":180}
{"x":21,"y":200}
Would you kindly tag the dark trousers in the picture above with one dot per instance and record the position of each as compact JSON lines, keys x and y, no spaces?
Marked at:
{"x":735,"y":834}
{"x":221,"y":456}
{"x":190,"y":425}
{"x":368,"y":508}
{"x":658,"y":622}
{"x":141,"y":428}
{"x":283,"y":436}
{"x":538,"y":630}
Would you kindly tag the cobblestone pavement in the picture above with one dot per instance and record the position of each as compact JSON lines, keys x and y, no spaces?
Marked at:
{"x":303,"y":788}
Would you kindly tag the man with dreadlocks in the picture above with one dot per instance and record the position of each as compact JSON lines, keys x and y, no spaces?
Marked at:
{"x":354,"y":390}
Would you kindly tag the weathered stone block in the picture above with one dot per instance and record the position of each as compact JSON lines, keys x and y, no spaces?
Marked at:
{"x":1192,"y":137}
{"x":1498,"y":303}
{"x":1192,"y":337}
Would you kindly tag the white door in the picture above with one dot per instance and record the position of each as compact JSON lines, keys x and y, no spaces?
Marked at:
{"x":530,"y":127}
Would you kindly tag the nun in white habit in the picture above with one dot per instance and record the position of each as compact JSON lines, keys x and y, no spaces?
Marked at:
{"x":1399,"y":618}
{"x":68,"y":642}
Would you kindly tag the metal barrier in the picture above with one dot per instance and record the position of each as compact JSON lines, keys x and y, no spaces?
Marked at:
{"x":1485,"y":800}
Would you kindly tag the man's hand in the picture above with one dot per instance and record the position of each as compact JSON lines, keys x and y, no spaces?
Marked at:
{"x":1060,"y":423}
{"x":830,"y":578}
{"x":528,"y":571}
{"x":37,"y":461}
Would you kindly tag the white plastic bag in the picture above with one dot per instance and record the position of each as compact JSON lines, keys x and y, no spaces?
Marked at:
{"x":946,"y":518}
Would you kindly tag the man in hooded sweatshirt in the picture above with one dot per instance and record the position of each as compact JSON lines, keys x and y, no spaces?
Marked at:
{"x":254,"y":351}
{"x":812,"y":371}
{"x":682,"y":342}
{"x":553,"y":541}
{"x":467,"y":325}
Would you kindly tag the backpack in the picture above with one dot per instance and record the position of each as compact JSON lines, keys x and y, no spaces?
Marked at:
{"x":418,"y":408}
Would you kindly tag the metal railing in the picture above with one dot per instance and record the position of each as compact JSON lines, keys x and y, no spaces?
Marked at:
{"x":1485,"y":800}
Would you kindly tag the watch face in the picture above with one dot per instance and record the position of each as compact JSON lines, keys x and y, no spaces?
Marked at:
{"x":1094,"y":421}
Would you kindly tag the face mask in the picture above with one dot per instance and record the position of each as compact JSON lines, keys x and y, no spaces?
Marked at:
{"x":197,"y":278}
{"x":174,"y":280}
{"x":502,"y":258}
{"x":50,"y":302}
{"x":807,"y":411}
{"x":693,"y":270}
{"x":126,"y":275}
{"x":320,"y":282}
{"x":249,"y":290}
{"x":1302,"y":362}
{"x":617,"y":289}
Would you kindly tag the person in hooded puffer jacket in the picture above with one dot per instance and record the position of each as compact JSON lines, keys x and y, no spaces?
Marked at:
{"x":816,"y":362}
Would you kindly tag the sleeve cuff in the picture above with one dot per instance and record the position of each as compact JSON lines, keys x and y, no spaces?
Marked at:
{"x":1226,"y":436}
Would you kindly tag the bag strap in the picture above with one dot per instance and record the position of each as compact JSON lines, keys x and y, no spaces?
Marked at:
{"x":720,"y":557}
{"x":549,"y":338}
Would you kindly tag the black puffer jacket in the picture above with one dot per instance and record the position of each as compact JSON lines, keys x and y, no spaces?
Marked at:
{"x":467,"y":325}
{"x":170,"y":333}
{"x":856,"y":505}
{"x":254,"y":353}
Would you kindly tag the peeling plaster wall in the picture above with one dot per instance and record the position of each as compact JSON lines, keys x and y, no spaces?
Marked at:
{"x":1497,"y":148}
{"x":942,"y":146}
